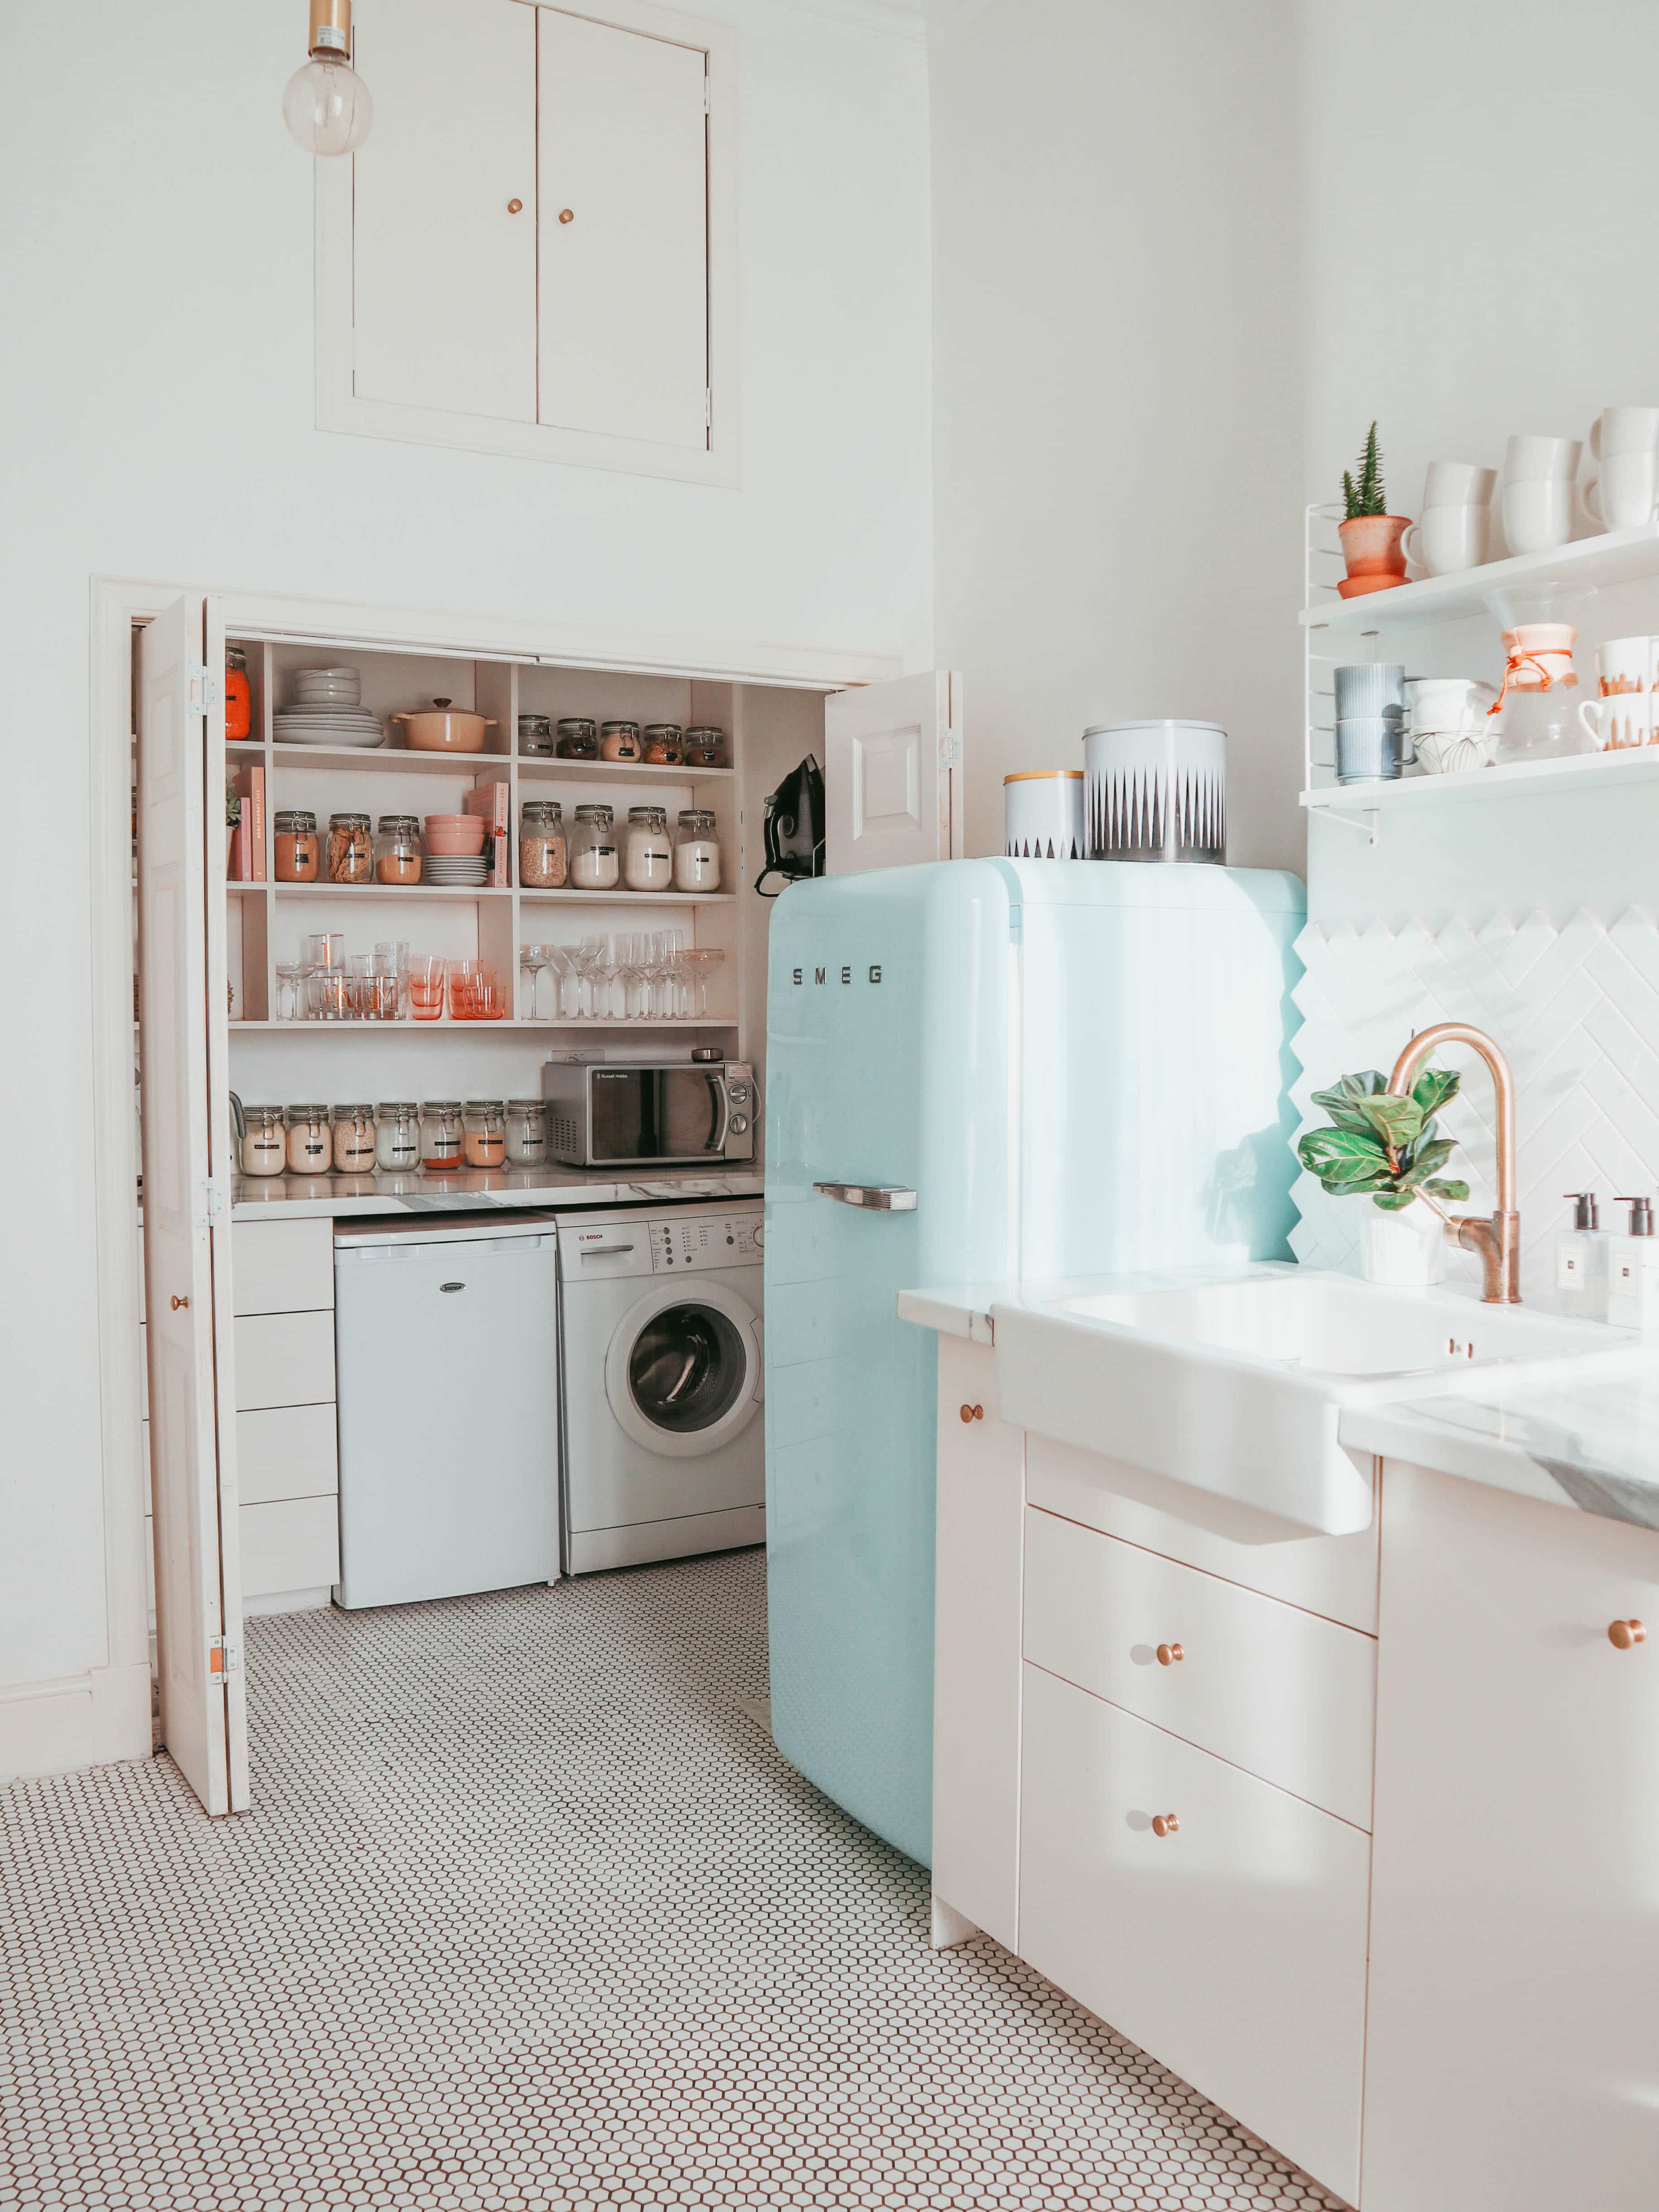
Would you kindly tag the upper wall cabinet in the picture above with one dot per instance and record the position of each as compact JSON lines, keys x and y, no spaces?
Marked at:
{"x":535,"y":251}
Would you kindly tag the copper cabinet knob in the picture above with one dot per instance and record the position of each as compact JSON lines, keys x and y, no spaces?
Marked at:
{"x":567,"y":215}
{"x":176,"y":1303}
{"x":1165,"y":1824}
{"x":1622,"y":1635}
{"x":973,"y":1413}
{"x":514,"y":207}
{"x":1168,"y":1654}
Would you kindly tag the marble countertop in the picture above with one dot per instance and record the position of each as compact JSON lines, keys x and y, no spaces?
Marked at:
{"x":291,"y":1197}
{"x":1591,"y":1445}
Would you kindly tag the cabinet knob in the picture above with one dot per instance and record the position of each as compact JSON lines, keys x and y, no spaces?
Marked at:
{"x":973,"y":1413}
{"x":176,"y":1303}
{"x":1624,"y":1635}
{"x":1168,"y":1654}
{"x":1165,"y":1824}
{"x":515,"y":207}
{"x":567,"y":215}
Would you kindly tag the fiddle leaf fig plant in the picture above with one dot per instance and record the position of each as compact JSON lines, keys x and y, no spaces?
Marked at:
{"x":1381,"y":1147}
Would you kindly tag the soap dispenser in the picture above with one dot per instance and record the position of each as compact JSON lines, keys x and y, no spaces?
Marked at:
{"x":1634,"y":1270}
{"x":1581,"y":1261}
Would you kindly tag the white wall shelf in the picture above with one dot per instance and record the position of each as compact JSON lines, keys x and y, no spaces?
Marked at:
{"x":538,"y":767}
{"x":395,"y":760}
{"x":1361,"y":807}
{"x":1617,"y":556}
{"x":586,"y":1025}
{"x":474,"y":892}
{"x":641,"y":899}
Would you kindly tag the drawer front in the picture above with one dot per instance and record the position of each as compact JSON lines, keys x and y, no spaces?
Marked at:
{"x":1332,"y":1575}
{"x":282,"y":1266}
{"x":291,"y":1544}
{"x":284,"y":1359}
{"x":1233,"y":1949}
{"x":287,"y":1451}
{"x":1284,"y":1694}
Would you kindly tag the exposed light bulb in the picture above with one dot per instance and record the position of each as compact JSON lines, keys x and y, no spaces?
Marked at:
{"x":326,"y":106}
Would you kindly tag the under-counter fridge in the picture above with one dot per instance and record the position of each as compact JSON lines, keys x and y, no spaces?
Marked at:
{"x":978,"y":1071}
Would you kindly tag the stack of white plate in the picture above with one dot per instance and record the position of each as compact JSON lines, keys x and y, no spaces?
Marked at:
{"x":327,"y":687}
{"x":325,"y":711}
{"x":454,"y":872}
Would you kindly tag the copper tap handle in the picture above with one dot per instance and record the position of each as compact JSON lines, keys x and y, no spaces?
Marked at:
{"x":1625,"y":1635}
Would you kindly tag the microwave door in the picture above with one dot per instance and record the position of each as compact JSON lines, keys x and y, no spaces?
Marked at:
{"x":691,"y":1103}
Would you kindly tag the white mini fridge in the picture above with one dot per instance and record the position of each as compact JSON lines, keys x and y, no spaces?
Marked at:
{"x":447,"y":1342}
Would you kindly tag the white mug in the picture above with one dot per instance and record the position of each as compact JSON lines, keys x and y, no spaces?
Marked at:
{"x":1624,"y":431}
{"x":1458,"y":484}
{"x":1538,"y":514}
{"x":1456,"y":704}
{"x":1625,"y":664}
{"x":1447,"y":539}
{"x":1531,"y":460}
{"x":1614,"y":725}
{"x":1626,"y":492}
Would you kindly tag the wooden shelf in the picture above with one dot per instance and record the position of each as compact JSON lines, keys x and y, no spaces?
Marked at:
{"x":1536,"y":779}
{"x":1617,"y":556}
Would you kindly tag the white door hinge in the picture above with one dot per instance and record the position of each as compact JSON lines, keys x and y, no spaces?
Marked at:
{"x":206,"y":690}
{"x":224,"y":1660}
{"x":950,"y":747}
{"x":213,"y":1203}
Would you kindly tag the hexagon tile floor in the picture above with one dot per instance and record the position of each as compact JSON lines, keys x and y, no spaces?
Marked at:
{"x":529,"y":1914}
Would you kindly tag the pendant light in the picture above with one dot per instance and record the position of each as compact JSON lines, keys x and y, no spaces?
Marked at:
{"x":326,"y":106}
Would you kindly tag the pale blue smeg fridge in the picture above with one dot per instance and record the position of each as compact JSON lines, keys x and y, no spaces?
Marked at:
{"x":1076,"y":1068}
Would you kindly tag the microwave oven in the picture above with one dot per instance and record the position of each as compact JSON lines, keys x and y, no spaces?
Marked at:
{"x":675,"y":1112}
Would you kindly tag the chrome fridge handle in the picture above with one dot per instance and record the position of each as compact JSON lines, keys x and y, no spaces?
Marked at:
{"x":880,"y":1197}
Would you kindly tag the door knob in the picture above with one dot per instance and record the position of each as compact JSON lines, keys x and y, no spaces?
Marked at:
{"x":176,"y":1303}
{"x":567,"y":215}
{"x":1165,"y":1824}
{"x":1624,"y":1634}
{"x":1168,"y":1654}
{"x":973,"y":1413}
{"x":513,"y":207}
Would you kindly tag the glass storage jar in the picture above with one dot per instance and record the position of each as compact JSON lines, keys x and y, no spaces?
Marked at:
{"x":527,"y":1132}
{"x":647,"y":855}
{"x":440,"y":1132}
{"x":664,"y":747}
{"x":594,"y":866}
{"x":397,"y":1135}
{"x":696,"y":853}
{"x":263,"y":1148}
{"x":309,"y":1147}
{"x":297,"y":852}
{"x":354,"y":1140}
{"x":398,"y":849}
{"x":544,"y":861}
{"x":578,"y":739}
{"x":704,"y":746}
{"x":348,"y":857}
{"x":536,"y":735}
{"x":485,"y":1133}
{"x":239,"y":699}
{"x":619,"y":741}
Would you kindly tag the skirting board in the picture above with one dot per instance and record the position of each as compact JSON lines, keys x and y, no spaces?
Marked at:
{"x":300,"y":1601}
{"x":81,"y":1719}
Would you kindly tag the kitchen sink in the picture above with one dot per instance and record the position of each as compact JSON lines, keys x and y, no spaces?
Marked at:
{"x":1235,"y":1385}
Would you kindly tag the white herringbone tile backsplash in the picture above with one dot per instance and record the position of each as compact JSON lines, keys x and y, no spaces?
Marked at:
{"x":1575,"y":1007}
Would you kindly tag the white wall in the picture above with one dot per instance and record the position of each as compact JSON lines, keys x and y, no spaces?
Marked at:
{"x":1118,"y":386}
{"x":156,"y":265}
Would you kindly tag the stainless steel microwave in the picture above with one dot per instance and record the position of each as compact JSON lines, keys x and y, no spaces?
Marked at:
{"x":603,"y":1115}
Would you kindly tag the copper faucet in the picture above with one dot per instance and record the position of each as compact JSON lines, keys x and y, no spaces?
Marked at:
{"x":1498,"y":1240}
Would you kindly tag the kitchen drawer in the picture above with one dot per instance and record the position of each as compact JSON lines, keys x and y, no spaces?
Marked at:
{"x":284,"y":1359}
{"x":1232,"y":1949}
{"x":1284,"y":1694}
{"x":291,"y":1544}
{"x":282,"y":1266}
{"x":1332,"y":1575}
{"x":287,"y":1451}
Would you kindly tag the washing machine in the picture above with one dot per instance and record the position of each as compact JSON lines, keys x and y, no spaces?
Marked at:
{"x":663,"y":1450}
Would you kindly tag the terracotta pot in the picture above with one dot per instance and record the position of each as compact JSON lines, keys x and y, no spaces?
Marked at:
{"x":1372,"y":550}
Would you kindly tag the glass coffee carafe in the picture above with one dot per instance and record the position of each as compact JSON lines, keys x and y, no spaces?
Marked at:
{"x":1539,"y":703}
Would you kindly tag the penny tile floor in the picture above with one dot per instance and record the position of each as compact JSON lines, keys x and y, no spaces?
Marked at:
{"x":530,"y":1914}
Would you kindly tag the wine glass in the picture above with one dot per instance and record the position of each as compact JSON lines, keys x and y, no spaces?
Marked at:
{"x":586,"y":959}
{"x":527,"y":981}
{"x":703,"y":963}
{"x":548,"y":996}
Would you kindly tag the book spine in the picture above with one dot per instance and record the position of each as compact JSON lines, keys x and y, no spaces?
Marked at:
{"x":241,"y":846}
{"x":502,"y":876}
{"x":255,"y":803}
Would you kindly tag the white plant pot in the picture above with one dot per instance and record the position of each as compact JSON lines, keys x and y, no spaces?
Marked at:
{"x":1406,"y":1249}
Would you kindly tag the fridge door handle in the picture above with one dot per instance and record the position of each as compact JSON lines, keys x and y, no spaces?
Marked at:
{"x":880,"y":1197}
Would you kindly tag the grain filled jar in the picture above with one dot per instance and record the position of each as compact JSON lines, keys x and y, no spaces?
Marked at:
{"x":296,"y":854}
{"x":397,"y":1135}
{"x":348,"y":857}
{"x":578,"y":739}
{"x":398,"y":849}
{"x":594,"y":863}
{"x":263,"y":1148}
{"x":310,"y":1146}
{"x":619,"y":741}
{"x":440,"y":1132}
{"x":239,"y":698}
{"x":485,"y":1133}
{"x":527,"y":1132}
{"x":704,"y":746}
{"x":536,"y":736}
{"x":354,"y":1140}
{"x":662,"y":745}
{"x":647,"y":855}
{"x":544,"y":856}
{"x":696,"y":855}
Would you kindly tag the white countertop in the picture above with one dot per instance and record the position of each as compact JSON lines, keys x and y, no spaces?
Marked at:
{"x":1592,"y":1445}
{"x":291,"y":1197}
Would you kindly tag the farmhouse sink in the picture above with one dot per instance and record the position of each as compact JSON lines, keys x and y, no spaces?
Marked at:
{"x":1236,"y":1384}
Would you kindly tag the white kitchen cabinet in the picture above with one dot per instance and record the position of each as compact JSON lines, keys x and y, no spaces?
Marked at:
{"x":290,"y":1547}
{"x":284,"y":1359}
{"x":283,"y":1267}
{"x":443,"y":220}
{"x":1513,"y":2052}
{"x":288,"y":1451}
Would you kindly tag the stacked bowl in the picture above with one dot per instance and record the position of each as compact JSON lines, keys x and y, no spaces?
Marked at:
{"x":325,"y":710}
{"x":455,"y":855}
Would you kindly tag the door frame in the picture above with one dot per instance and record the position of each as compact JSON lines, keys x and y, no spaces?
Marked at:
{"x":104,"y":1714}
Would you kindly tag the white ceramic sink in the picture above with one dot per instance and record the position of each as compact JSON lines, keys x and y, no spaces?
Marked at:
{"x":1236,"y":1385}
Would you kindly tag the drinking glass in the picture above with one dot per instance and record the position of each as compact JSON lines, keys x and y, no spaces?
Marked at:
{"x":289,"y":990}
{"x":325,"y":950}
{"x":361,"y":998}
{"x":462,"y":974}
{"x":426,"y":987}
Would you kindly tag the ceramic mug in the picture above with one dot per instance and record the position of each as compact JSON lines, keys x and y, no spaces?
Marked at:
{"x":1626,"y":491}
{"x":1614,"y":724}
{"x":1625,"y":664}
{"x":1458,"y":484}
{"x":1445,"y":540}
{"x":1454,"y":705}
{"x":1535,"y":460}
{"x":1537,"y":513}
{"x":1624,"y":431}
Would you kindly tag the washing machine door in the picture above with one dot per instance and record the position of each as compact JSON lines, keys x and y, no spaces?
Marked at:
{"x":684,"y":1372}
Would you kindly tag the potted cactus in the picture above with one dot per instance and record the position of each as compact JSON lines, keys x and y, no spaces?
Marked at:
{"x":1387,"y":1148}
{"x":1370,"y":536}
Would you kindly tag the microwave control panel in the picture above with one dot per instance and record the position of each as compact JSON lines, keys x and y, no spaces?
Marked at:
{"x":713,"y":1241}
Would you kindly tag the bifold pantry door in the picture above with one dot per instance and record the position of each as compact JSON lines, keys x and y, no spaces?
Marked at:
{"x":187,"y":1180}
{"x":892,"y":773}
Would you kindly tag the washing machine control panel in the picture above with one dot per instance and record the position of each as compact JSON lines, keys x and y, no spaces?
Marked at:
{"x":711,"y":1241}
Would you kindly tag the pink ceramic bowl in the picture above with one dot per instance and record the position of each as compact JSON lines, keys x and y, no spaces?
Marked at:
{"x":454,"y":834}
